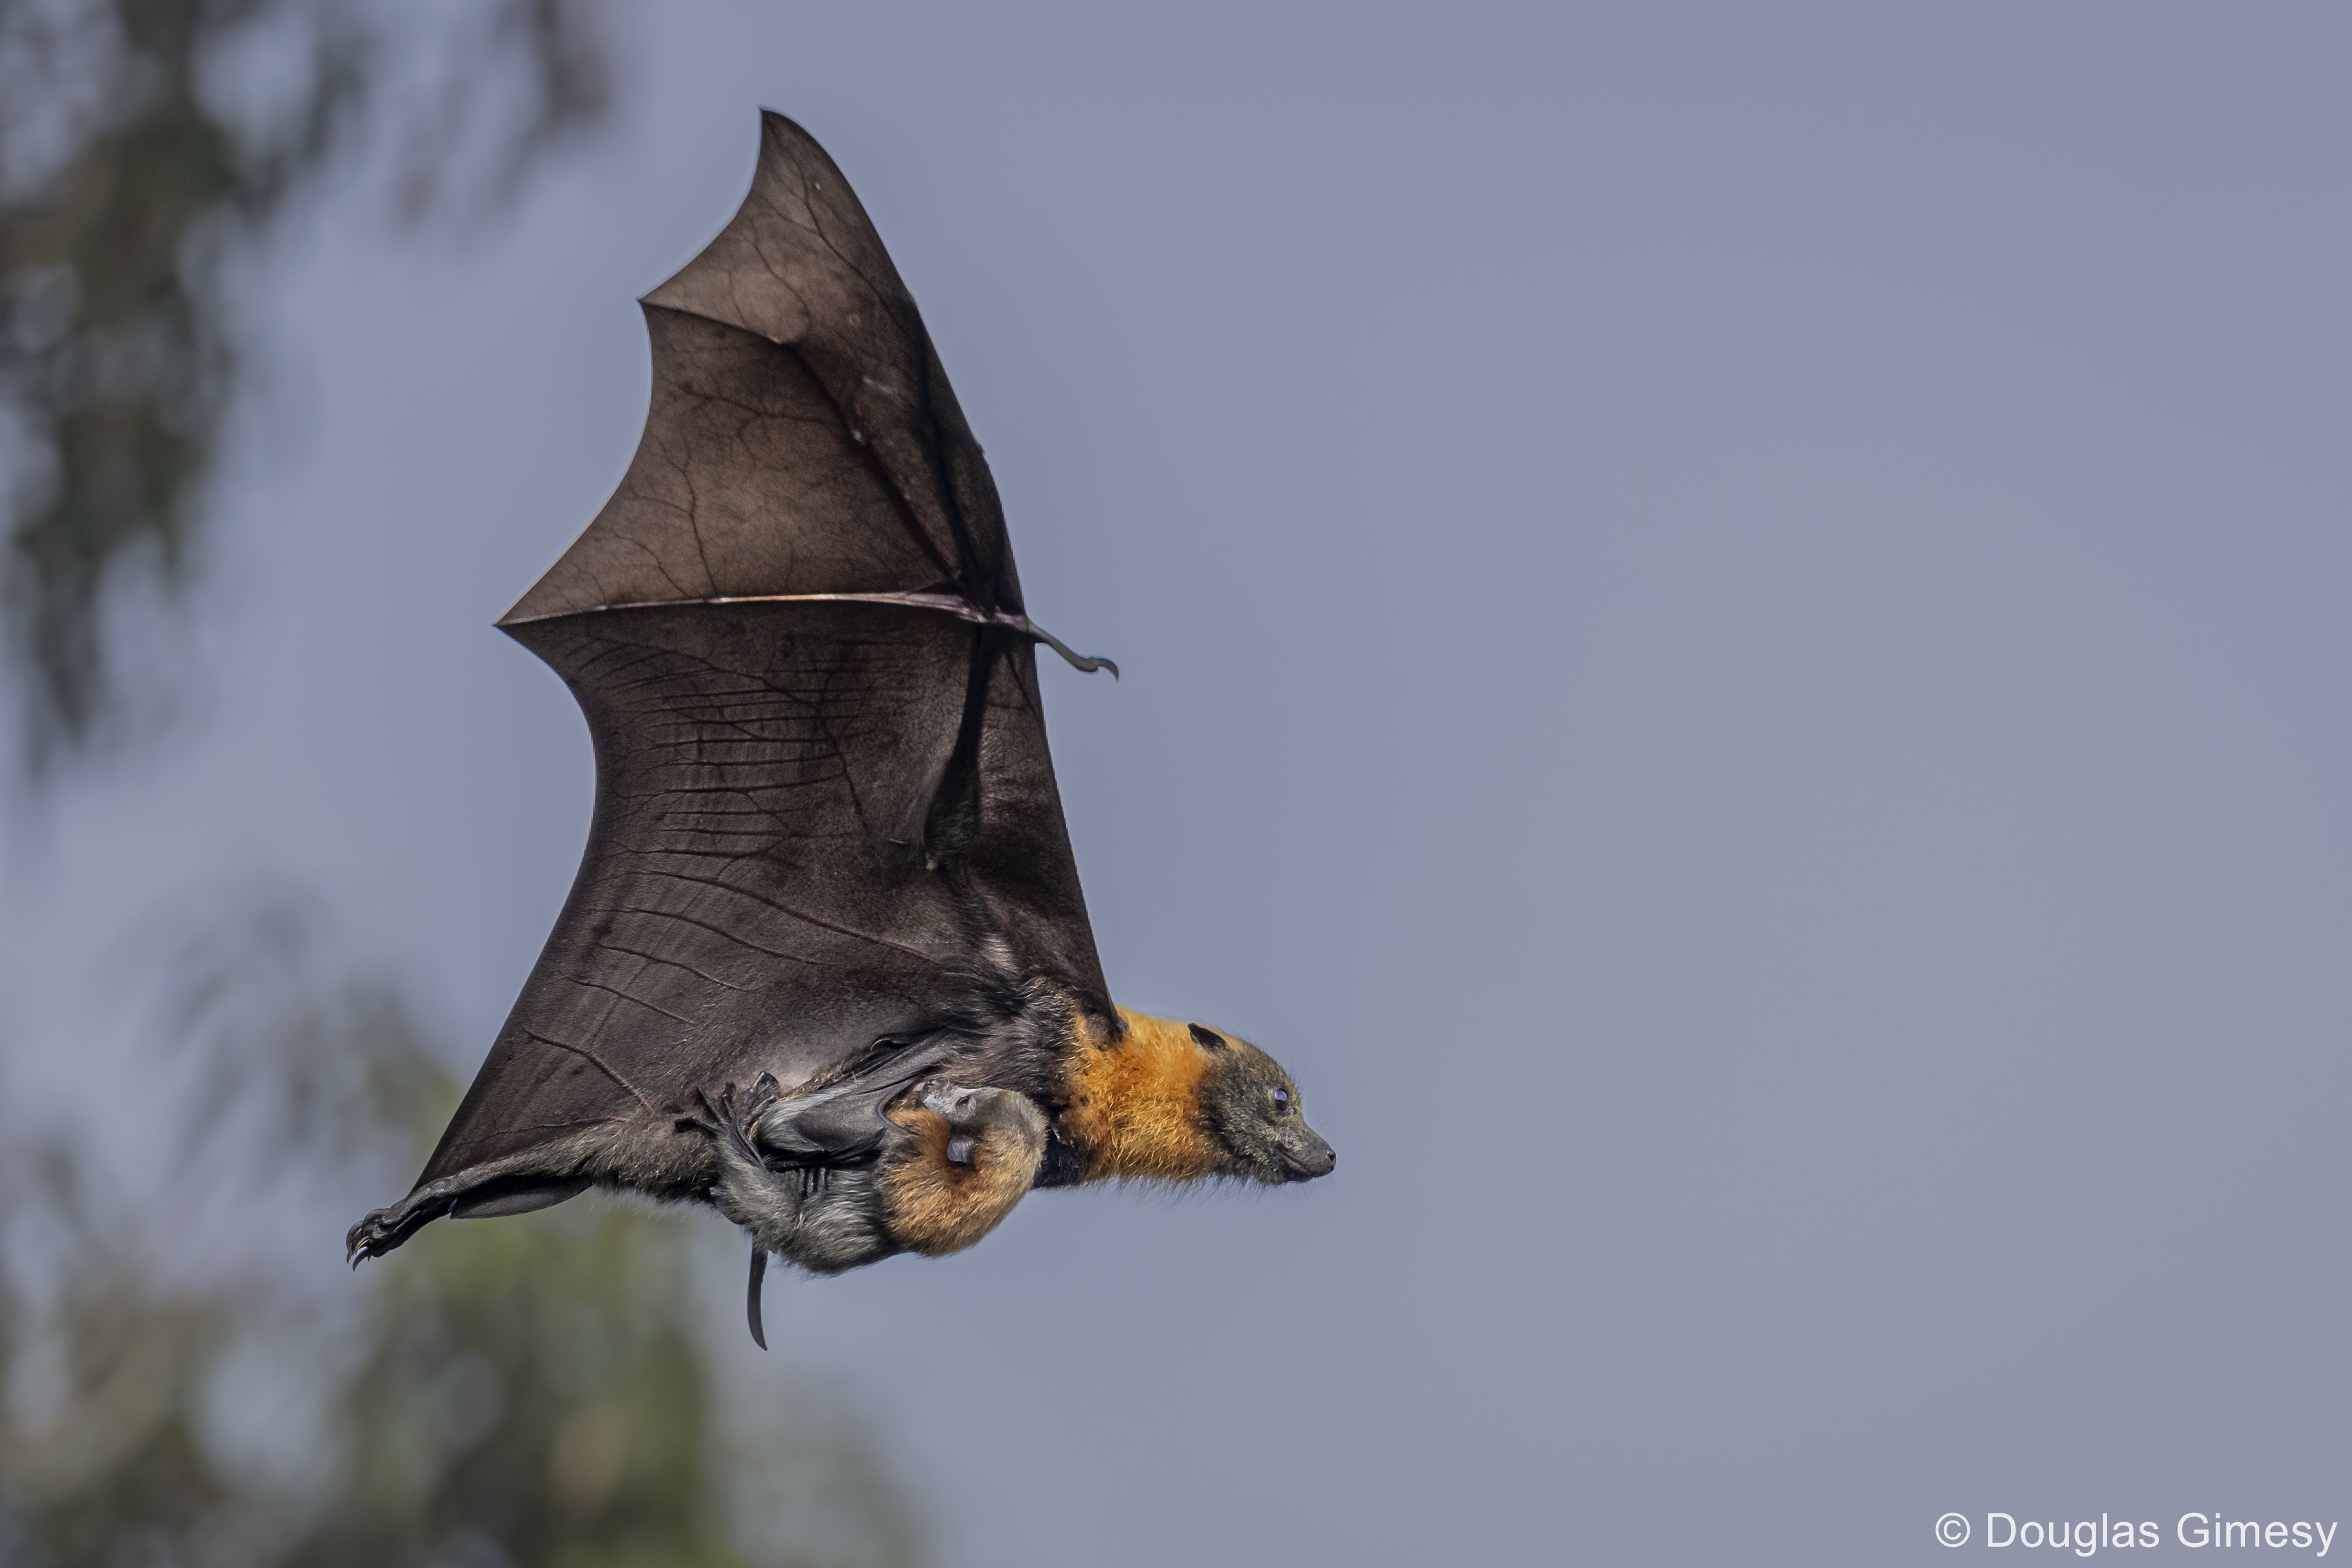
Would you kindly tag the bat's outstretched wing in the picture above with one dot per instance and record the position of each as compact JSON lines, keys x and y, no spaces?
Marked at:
{"x":825,"y":807}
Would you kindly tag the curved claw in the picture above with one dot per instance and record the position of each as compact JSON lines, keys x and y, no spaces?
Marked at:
{"x":359,"y":1241}
{"x":1077,"y":661}
{"x":733,"y":1117}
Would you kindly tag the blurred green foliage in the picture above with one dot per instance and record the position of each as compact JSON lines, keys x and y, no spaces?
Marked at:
{"x":523,"y":1391}
{"x":503,"y":1394}
{"x":143,"y":143}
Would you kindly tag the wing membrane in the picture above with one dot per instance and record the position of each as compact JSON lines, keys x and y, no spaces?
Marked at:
{"x":815,"y":822}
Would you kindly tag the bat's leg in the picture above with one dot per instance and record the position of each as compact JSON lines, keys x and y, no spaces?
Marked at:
{"x":386,"y":1228}
{"x":823,"y":1218}
{"x":382,"y":1230}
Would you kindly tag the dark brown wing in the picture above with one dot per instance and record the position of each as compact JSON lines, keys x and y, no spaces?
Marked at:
{"x":803,"y":438}
{"x":825,"y":806}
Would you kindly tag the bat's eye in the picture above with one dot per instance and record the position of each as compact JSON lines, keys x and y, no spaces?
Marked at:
{"x":1282,"y":1102}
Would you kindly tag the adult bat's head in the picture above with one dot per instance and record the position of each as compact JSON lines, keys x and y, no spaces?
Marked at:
{"x":1170,"y":1101}
{"x":1250,"y":1106}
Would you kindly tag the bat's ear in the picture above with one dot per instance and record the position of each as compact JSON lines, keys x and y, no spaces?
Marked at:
{"x":1206,"y":1039}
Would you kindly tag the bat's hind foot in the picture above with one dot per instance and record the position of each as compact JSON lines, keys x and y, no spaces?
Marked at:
{"x":732,"y":1118}
{"x":480,"y":1192}
{"x":385,"y":1229}
{"x":373,"y":1236}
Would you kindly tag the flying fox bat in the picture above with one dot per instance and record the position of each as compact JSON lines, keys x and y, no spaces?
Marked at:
{"x":826,"y":964}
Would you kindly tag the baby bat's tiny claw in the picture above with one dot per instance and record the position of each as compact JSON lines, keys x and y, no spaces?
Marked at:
{"x":719,"y":1118}
{"x":947,"y":1100}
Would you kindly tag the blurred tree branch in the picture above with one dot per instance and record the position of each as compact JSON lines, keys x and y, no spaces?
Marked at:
{"x":139,"y":141}
{"x":531,"y":1391}
{"x":534,"y":1392}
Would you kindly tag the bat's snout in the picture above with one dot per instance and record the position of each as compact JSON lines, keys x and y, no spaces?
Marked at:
{"x":1308,"y":1161}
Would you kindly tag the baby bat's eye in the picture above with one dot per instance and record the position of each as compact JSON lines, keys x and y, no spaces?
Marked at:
{"x":1282,"y":1102}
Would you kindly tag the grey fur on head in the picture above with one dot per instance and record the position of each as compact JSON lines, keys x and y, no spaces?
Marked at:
{"x":1252,"y":1109}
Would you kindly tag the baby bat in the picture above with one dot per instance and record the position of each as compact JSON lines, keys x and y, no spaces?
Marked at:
{"x":826,"y":964}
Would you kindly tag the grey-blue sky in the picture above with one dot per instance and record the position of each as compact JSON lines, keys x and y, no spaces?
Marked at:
{"x":1735,"y":649}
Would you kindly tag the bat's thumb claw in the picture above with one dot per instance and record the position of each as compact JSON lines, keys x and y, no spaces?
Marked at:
{"x":1077,"y":661}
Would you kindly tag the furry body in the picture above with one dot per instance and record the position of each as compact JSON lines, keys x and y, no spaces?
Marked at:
{"x":1164,"y":1100}
{"x":1134,"y":1105}
{"x":841,"y":1171}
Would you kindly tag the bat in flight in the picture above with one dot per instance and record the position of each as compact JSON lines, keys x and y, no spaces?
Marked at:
{"x":825,"y":966}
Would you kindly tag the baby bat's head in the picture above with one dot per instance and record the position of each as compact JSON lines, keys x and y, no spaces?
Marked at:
{"x":1011,"y":1123}
{"x":1251,"y":1108}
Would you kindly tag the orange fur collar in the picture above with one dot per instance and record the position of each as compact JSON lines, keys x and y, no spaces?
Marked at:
{"x":1135,"y":1105}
